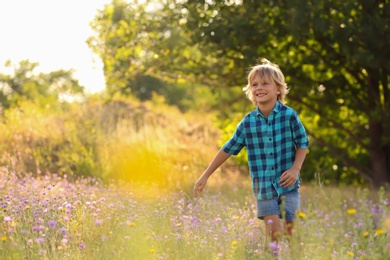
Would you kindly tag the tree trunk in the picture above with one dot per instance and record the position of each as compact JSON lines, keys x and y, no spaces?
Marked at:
{"x":378,"y":156}
{"x":379,"y":168}
{"x":377,"y":131}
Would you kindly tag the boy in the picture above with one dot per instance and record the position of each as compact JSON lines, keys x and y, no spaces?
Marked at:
{"x":276,"y":143}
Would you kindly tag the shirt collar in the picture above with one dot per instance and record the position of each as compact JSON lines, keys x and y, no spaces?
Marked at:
{"x":276,"y":109}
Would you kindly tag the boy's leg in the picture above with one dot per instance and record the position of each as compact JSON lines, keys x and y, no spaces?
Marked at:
{"x":289,"y":227}
{"x":292,"y":205}
{"x":273,"y":228}
{"x":269,"y":211}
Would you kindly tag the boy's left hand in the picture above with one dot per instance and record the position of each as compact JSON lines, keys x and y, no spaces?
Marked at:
{"x":289,"y":178}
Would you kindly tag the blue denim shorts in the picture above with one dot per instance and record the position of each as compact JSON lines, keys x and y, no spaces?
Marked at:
{"x":288,"y":204}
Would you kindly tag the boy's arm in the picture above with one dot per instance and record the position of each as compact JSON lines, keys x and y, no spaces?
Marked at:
{"x":218,"y":160}
{"x":290,"y":177}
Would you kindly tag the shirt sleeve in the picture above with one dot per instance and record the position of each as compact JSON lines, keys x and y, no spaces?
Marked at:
{"x":237,"y":142}
{"x":300,"y":137}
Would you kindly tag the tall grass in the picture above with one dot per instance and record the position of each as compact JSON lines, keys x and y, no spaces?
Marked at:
{"x":144,"y":143}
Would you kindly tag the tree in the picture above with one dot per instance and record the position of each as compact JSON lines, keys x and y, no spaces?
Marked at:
{"x":25,"y":84}
{"x":146,"y":48}
{"x":336,"y":58}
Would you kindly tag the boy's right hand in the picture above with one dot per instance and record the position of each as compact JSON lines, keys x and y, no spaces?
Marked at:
{"x":199,"y":186}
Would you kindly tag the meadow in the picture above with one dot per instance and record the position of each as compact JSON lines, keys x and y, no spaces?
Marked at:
{"x":141,"y":206}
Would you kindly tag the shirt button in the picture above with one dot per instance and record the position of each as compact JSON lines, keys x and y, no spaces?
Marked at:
{"x":270,"y":139}
{"x":272,"y":168}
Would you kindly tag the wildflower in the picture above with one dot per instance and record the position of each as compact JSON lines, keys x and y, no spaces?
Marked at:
{"x":99,"y":222}
{"x":82,"y":245}
{"x":270,"y":222}
{"x":217,"y":220}
{"x":301,"y":214}
{"x":7,"y":219}
{"x":379,"y":232}
{"x":52,"y":223}
{"x":234,"y":243}
{"x":63,"y":230}
{"x":3,"y":238}
{"x":365,"y":234}
{"x":273,"y":246}
{"x":152,"y":250}
{"x":130,"y":223}
{"x":349,"y":253}
{"x":40,"y":240}
{"x":351,"y":211}
{"x":64,"y":241}
{"x":37,"y":228}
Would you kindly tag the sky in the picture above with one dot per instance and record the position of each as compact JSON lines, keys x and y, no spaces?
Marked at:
{"x":52,"y":33}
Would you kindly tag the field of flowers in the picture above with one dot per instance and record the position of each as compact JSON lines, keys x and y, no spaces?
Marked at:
{"x":49,"y":217}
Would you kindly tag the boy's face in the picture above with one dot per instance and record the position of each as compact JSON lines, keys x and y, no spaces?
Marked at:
{"x":264,"y":90}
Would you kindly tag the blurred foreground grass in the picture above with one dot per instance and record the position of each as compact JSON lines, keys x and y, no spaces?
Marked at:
{"x":48,"y":217}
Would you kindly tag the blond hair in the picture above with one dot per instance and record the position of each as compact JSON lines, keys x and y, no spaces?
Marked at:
{"x":271,"y":72}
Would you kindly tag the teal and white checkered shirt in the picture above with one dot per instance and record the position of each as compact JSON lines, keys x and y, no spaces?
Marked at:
{"x":271,"y":145}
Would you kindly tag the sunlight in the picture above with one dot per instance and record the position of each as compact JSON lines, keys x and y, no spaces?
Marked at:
{"x":52,"y":33}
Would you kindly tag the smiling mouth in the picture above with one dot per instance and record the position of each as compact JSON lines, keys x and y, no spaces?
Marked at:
{"x":260,"y":95}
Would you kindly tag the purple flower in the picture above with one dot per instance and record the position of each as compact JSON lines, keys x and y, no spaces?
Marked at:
{"x":270,"y":221}
{"x":52,"y":223}
{"x":99,"y":222}
{"x":37,"y":228}
{"x":63,"y":230}
{"x":40,"y":240}
{"x":273,"y":246}
{"x":82,"y":245}
{"x":217,"y":221}
{"x":7,"y":219}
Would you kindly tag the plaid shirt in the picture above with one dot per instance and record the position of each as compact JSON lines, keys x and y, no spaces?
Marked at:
{"x":271,"y":145}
